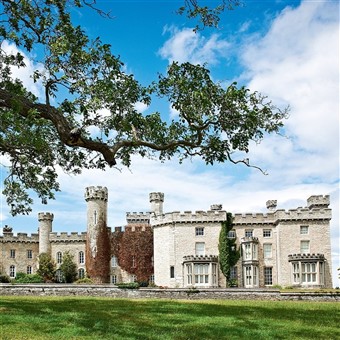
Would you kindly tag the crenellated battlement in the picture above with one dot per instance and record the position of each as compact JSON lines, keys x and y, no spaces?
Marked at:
{"x":19,"y":237}
{"x":42,"y":216}
{"x":318,"y":201}
{"x":298,"y":257}
{"x":283,"y":215}
{"x":189,"y":217}
{"x":135,"y":217}
{"x":66,"y":237}
{"x":96,"y":193}
{"x":200,"y":258}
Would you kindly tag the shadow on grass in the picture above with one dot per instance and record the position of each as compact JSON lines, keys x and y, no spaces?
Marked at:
{"x":99,"y":318}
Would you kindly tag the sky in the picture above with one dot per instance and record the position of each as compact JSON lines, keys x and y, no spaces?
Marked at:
{"x":287,"y":50}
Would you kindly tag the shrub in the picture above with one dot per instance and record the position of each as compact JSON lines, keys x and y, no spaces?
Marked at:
{"x":28,"y":278}
{"x":4,"y":278}
{"x":128,"y":285}
{"x":85,"y":280}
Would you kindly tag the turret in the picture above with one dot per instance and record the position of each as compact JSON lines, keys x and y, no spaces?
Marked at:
{"x":97,"y":240}
{"x":156,"y":200}
{"x":45,"y":228}
{"x":318,"y":201}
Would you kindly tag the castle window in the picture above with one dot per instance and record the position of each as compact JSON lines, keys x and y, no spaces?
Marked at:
{"x":29,"y":270}
{"x":95,"y":217}
{"x":267,"y":233}
{"x":201,"y":273}
{"x":12,"y":271}
{"x":114,"y":262}
{"x":251,"y":276}
{"x":81,"y":273}
{"x":189,"y":274}
{"x":268,"y":276}
{"x":233,"y":273}
{"x":304,"y":247}
{"x":200,"y":248}
{"x":304,"y":230}
{"x":59,"y":257}
{"x":296,"y":272}
{"x":152,"y":278}
{"x":29,"y":254}
{"x":308,"y":272}
{"x":214,"y":274}
{"x":114,"y":279}
{"x":199,"y":231}
{"x":59,"y":276}
{"x":248,"y":233}
{"x":247,"y":251}
{"x":232,"y":233}
{"x":81,"y":257}
{"x":254,"y":247}
{"x":12,"y":253}
{"x":267,"y":250}
{"x":172,"y":272}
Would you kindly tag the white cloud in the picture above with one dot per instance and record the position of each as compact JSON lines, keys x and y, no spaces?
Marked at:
{"x":187,"y":46}
{"x":25,"y":73}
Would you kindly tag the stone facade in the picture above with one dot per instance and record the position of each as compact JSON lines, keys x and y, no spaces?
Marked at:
{"x":180,"y":249}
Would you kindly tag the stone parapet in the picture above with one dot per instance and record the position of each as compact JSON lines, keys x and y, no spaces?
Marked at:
{"x":298,"y":214}
{"x":96,"y":193}
{"x":20,"y":237}
{"x":319,"y":201}
{"x":135,"y":217}
{"x":189,"y":217}
{"x":65,"y":237}
{"x":42,"y":216}
{"x":200,"y":258}
{"x":158,"y":293}
{"x":302,"y":257}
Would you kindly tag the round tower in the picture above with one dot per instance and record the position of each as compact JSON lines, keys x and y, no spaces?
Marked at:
{"x":45,"y":228}
{"x":98,"y":249}
{"x":156,"y":200}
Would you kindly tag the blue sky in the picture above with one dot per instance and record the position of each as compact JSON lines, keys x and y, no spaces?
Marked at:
{"x":288,"y":50}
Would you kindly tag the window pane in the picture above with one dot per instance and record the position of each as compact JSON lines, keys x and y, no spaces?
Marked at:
{"x":200,"y":248}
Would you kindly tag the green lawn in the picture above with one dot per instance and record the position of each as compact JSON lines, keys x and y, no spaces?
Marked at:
{"x":105,"y":318}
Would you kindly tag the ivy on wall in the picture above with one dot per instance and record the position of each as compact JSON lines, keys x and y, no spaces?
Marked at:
{"x":228,"y":252}
{"x":134,"y":250}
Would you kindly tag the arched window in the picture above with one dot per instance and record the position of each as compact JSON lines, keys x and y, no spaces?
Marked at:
{"x":59,"y":257}
{"x":81,"y":273}
{"x":81,"y":257}
{"x":12,"y":271}
{"x":114,"y":262}
{"x":59,"y":276}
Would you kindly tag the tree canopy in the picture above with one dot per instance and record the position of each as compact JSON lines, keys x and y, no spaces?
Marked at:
{"x":86,"y":89}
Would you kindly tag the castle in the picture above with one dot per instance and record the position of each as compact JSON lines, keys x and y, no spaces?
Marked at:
{"x":180,"y":249}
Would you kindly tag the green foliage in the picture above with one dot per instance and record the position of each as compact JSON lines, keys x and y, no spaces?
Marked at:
{"x":28,"y":278}
{"x":128,"y":285}
{"x":68,"y":268}
{"x":207,"y":16}
{"x":228,"y":252}
{"x":4,"y":278}
{"x":47,"y":267}
{"x":86,"y":78}
{"x":79,"y":318}
{"x":85,"y":280}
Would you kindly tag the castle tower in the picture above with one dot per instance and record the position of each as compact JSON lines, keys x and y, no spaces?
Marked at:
{"x":98,"y":250}
{"x":45,"y":228}
{"x":156,"y":200}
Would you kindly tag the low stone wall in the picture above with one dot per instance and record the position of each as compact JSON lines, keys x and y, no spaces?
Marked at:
{"x":156,"y":293}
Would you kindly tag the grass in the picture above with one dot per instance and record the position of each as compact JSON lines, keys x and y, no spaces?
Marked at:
{"x":104,"y":318}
